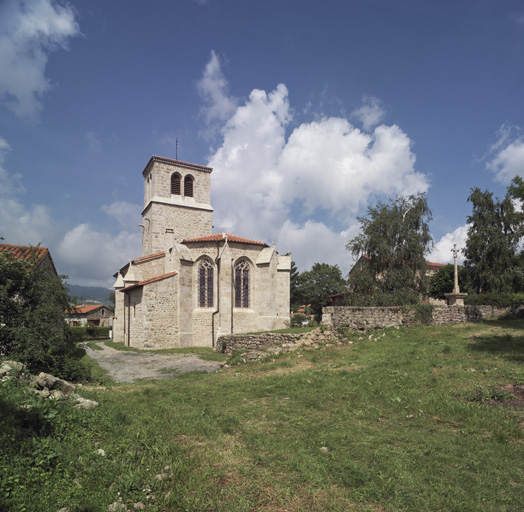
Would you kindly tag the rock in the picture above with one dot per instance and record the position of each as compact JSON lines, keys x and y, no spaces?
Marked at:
{"x":84,"y":403}
{"x":64,"y":509}
{"x":100,"y":452}
{"x":139,"y":506}
{"x":115,"y":507}
{"x":45,"y":393}
{"x":57,"y":394}
{"x":11,"y":368}
{"x":46,"y":380}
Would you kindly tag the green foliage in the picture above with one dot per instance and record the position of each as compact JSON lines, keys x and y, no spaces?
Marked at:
{"x":33,"y":302}
{"x":317,"y":284}
{"x":492,"y":264}
{"x":88,"y":332}
{"x":500,"y":300}
{"x":443,"y":281}
{"x":424,"y":313}
{"x":297,"y":319}
{"x":294,"y":296}
{"x":395,"y":238}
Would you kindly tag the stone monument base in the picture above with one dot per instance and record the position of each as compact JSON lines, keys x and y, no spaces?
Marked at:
{"x":455,"y":299}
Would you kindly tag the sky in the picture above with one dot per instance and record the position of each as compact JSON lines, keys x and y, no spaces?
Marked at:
{"x":308,"y":111}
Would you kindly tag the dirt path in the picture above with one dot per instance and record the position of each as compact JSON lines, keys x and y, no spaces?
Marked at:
{"x":130,"y":366}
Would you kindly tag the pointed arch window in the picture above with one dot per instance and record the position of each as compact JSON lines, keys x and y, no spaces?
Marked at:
{"x":188,"y":186}
{"x":242,"y":284}
{"x":205,"y":280}
{"x":175,"y":184}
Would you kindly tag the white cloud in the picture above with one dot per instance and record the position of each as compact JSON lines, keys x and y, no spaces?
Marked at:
{"x":442,"y":250}
{"x":507,"y":154}
{"x":213,"y":88}
{"x":19,"y":224}
{"x":371,"y":113}
{"x":126,"y":214}
{"x":92,"y":257}
{"x":29,"y":31}
{"x":324,"y":169}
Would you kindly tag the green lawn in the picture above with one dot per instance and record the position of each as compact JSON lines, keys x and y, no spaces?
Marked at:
{"x":418,"y":419}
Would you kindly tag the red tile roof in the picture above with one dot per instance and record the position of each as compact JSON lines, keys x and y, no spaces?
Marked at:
{"x":222,"y":236}
{"x":26,"y":252}
{"x":179,"y":163}
{"x":83,"y":310}
{"x":432,"y":265}
{"x":149,"y":257}
{"x":148,"y":281}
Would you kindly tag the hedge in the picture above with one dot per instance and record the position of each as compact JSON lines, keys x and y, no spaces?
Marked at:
{"x":88,"y":332}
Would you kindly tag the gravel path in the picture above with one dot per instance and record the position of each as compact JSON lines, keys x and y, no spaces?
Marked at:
{"x":130,"y":366}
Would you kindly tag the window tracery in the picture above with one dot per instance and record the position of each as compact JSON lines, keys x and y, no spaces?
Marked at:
{"x":205,"y":278}
{"x":242,"y":284}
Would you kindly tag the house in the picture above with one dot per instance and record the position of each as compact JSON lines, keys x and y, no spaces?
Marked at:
{"x":39,"y":255}
{"x":191,"y":285}
{"x":98,"y":315}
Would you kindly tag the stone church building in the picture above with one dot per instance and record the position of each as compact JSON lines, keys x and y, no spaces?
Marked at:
{"x":190,"y":285}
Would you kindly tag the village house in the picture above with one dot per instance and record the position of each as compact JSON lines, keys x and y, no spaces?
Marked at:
{"x":40,"y":256}
{"x":190,"y":285}
{"x":98,"y":315}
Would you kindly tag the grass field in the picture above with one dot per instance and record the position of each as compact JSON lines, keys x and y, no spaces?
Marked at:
{"x":418,"y":419}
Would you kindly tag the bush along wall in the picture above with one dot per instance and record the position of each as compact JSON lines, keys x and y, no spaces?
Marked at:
{"x":88,"y":332}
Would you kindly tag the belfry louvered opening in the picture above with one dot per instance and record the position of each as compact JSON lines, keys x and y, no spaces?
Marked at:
{"x":175,"y":184}
{"x":188,"y":186}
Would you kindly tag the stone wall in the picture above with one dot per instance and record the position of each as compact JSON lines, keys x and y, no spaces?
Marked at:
{"x":249,"y":342}
{"x":366,"y":318}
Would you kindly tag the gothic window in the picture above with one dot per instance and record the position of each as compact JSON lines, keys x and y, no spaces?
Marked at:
{"x":205,"y":280}
{"x":188,"y":186}
{"x":242,"y":284}
{"x":175,"y":184}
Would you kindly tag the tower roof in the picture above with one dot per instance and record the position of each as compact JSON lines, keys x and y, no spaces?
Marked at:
{"x":178,"y":163}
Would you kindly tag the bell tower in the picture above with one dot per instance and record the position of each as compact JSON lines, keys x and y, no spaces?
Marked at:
{"x":177,"y":203}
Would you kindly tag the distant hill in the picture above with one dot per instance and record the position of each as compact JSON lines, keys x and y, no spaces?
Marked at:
{"x":89,"y":294}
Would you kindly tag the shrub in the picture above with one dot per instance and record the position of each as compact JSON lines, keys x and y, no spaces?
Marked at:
{"x":296,"y":320}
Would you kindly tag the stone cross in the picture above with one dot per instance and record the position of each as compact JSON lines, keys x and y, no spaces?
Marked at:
{"x":456,"y":288}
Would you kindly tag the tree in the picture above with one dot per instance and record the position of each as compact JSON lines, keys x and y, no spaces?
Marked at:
{"x":294,"y":282}
{"x":317,"y":284}
{"x":33,"y":302}
{"x":492,"y":264}
{"x":395,"y":238}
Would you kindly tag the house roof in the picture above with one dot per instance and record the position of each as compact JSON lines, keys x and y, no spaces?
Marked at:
{"x":142,"y":259}
{"x":82,"y":309}
{"x":148,"y":281}
{"x":179,"y":163}
{"x":222,"y":236}
{"x":435,"y":266}
{"x":26,"y":252}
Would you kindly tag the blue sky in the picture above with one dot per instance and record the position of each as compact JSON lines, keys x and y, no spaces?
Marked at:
{"x":308,"y":111}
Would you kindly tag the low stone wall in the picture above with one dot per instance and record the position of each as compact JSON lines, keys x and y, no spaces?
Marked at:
{"x":230,"y":342}
{"x":366,"y":318}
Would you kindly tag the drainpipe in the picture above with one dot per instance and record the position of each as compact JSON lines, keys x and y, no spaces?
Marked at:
{"x":128,"y":318}
{"x":217,"y":263}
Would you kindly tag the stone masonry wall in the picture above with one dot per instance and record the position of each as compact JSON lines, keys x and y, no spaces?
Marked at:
{"x":366,"y":318}
{"x":231,"y":342}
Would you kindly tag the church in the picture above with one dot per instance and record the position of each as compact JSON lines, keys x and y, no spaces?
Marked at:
{"x":190,"y":286}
